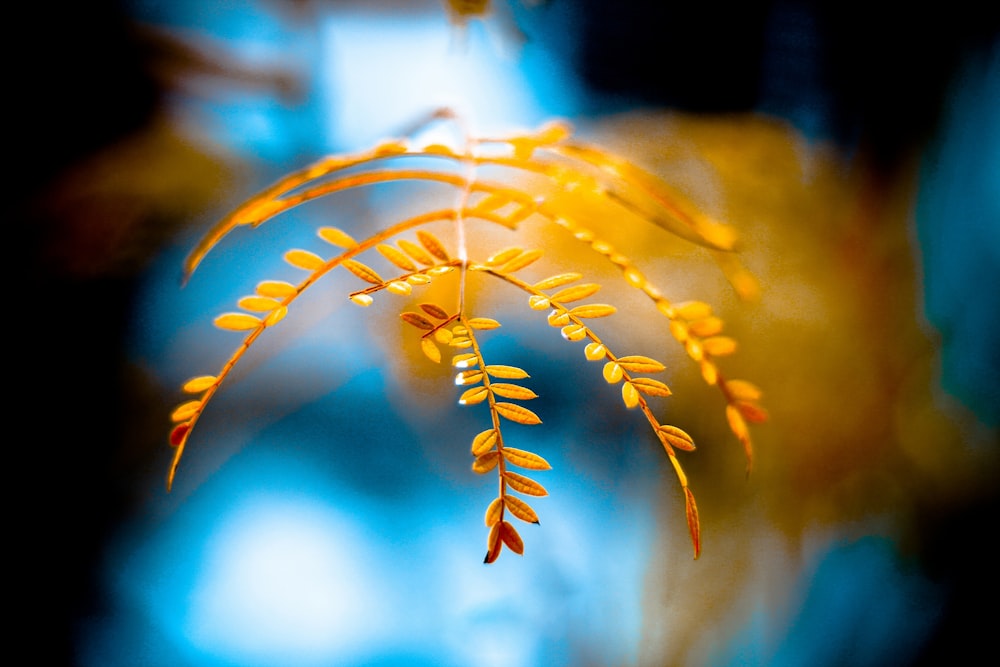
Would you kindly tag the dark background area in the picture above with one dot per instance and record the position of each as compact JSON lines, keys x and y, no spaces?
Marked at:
{"x":83,"y":80}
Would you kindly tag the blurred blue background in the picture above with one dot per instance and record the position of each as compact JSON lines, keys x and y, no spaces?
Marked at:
{"x":302,"y":534}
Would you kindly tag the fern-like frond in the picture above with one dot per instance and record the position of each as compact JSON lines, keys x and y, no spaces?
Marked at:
{"x":400,"y":260}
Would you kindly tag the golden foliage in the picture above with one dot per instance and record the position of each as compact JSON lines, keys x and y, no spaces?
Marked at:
{"x":579,"y":175}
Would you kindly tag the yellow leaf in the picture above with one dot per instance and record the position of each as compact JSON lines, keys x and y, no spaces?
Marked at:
{"x":708,"y":326}
{"x":742,"y":390}
{"x":363,"y":300}
{"x":399,"y":287}
{"x":468,"y":377}
{"x":417,"y":320}
{"x":593,"y":310}
{"x":486,"y":462}
{"x":595,"y":351}
{"x":709,"y":372}
{"x":430,"y":350}
{"x":432,"y":244}
{"x":493,"y":512}
{"x":503,"y":256}
{"x":692,"y":310}
{"x":557,"y":281}
{"x":416,"y":252}
{"x":484,"y":442}
{"x":493,"y":544}
{"x":258,"y":304}
{"x":524,"y":259}
{"x":483,"y":323}
{"x":275,"y":316}
{"x":464,"y":360}
{"x":694,"y":349}
{"x":237,"y":321}
{"x":612,"y":372}
{"x":473,"y":396}
{"x":524,"y":459}
{"x":638,"y":364}
{"x":337,"y":237}
{"x":184,"y":411}
{"x":506,"y":372}
{"x":719,"y":346}
{"x":418,"y":279}
{"x":675,"y":437}
{"x":630,"y":395}
{"x":396,"y":256}
{"x":198,"y":384}
{"x":575,"y":293}
{"x":574,"y":332}
{"x":651,"y":387}
{"x":520,"y":509}
{"x":525,"y":485}
{"x":512,"y":391}
{"x":511,"y":538}
{"x":516,"y":413}
{"x":362,"y":271}
{"x":538,"y":302}
{"x":303,"y":259}
{"x":558,"y":318}
{"x":276,"y":288}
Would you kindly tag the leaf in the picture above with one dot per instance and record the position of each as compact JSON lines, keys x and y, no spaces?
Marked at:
{"x":574,"y":332}
{"x":337,"y":237}
{"x":525,"y":459}
{"x":179,"y":433}
{"x":692,"y":310}
{"x":432,"y":244}
{"x":517,"y":413}
{"x":503,"y":256}
{"x":237,"y":321}
{"x":185,"y":411}
{"x":752,"y":412}
{"x":417,"y":320}
{"x":473,"y":396}
{"x":523,"y":484}
{"x":557,"y":281}
{"x":493,"y":544}
{"x":430,"y":350}
{"x":362,"y":271}
{"x":483,"y":323}
{"x":418,"y":279}
{"x":639,"y":364}
{"x":434,"y":311}
{"x":705,"y":327}
{"x":464,"y":360}
{"x":742,"y":390}
{"x":595,"y":351}
{"x":675,"y":437}
{"x":198,"y":384}
{"x":558,"y":318}
{"x":514,"y":391}
{"x":575,"y":293}
{"x":416,"y":252}
{"x":363,"y":300}
{"x":538,"y":302}
{"x":399,"y":287}
{"x":469,"y":377}
{"x":303,"y":259}
{"x":484,"y":442}
{"x":275,"y":316}
{"x":630,"y":395}
{"x":520,"y":509}
{"x":524,"y":259}
{"x":486,"y":462}
{"x":709,"y":372}
{"x":276,"y":288}
{"x":511,"y":538}
{"x":719,"y":346}
{"x":694,"y":525}
{"x":651,"y":387}
{"x":396,"y":256}
{"x":593,"y":310}
{"x":493,"y":512}
{"x":258,"y":304}
{"x":612,"y":372}
{"x":506,"y":372}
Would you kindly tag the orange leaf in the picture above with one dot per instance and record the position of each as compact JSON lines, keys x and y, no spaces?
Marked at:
{"x":516,"y":413}
{"x":651,"y":387}
{"x":694,"y":525}
{"x":473,"y":396}
{"x":493,"y":544}
{"x":434,"y":311}
{"x":432,"y":244}
{"x":638,"y":364}
{"x":575,"y":293}
{"x":362,"y":271}
{"x":525,"y":459}
{"x":485,"y":463}
{"x":276,"y":288}
{"x":484,"y":442}
{"x":198,"y":384}
{"x":417,"y":320}
{"x":493,"y":513}
{"x":430,"y":350}
{"x":557,"y":281}
{"x":305,"y":260}
{"x":520,"y":509}
{"x":511,"y":538}
{"x":514,"y":391}
{"x":337,"y":237}
{"x":675,"y":437}
{"x":396,"y":256}
{"x":506,"y":372}
{"x":237,"y":321}
{"x":525,"y":485}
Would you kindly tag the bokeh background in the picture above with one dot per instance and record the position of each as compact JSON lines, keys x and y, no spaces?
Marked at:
{"x":325,"y":514}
